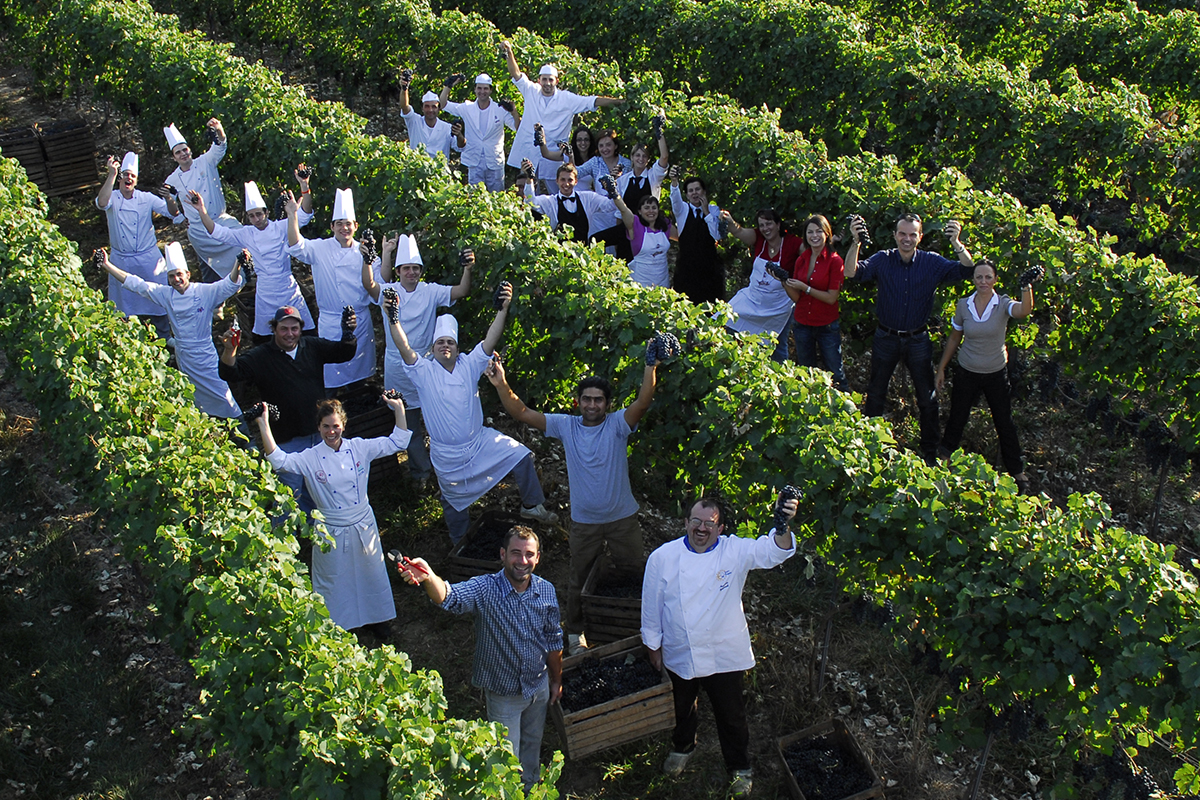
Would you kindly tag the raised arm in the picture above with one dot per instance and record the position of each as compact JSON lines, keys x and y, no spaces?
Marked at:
{"x":953,"y":232}
{"x":293,"y":221}
{"x":508,"y":398}
{"x":497,"y":327}
{"x":858,"y":228}
{"x":387,"y":261}
{"x":467,"y":257}
{"x":609,"y":102}
{"x":397,"y":406}
{"x":306,"y":201}
{"x":197,"y":202}
{"x":264,"y":431}
{"x":744,"y":235}
{"x":405,"y":108}
{"x":627,"y":215}
{"x":1031,"y":276}
{"x":639,"y":407}
{"x":510,"y":60}
{"x":111,"y":268}
{"x":418,"y":572}
{"x":368,"y":276}
{"x":391,"y":306}
{"x":110,"y":180}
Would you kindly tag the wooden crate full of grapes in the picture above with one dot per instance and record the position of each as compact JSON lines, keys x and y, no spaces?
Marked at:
{"x":825,"y":762}
{"x":478,"y":553}
{"x":611,"y":695}
{"x":612,"y":603}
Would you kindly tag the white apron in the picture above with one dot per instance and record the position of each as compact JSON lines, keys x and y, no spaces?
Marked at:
{"x":764,"y":305}
{"x":147,"y":265}
{"x":649,"y":266}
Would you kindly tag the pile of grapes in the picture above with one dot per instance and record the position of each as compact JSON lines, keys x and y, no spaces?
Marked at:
{"x":620,"y":585}
{"x":825,"y":769}
{"x":486,"y":541}
{"x":594,"y":682}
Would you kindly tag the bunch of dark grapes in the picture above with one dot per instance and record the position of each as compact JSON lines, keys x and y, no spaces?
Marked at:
{"x":825,"y":770}
{"x":656,"y":126}
{"x":1018,"y":366}
{"x":466,"y":256}
{"x":211,"y":133}
{"x":865,"y":239}
{"x":1031,"y":276}
{"x":258,"y":409}
{"x":1097,"y":405}
{"x":539,"y":135}
{"x":347,"y":315}
{"x":391,"y":304}
{"x":788,"y":492}
{"x":594,"y":682}
{"x":993,"y":722}
{"x":304,"y":172}
{"x":507,"y":105}
{"x":367,"y":240}
{"x":1020,"y":722}
{"x":1051,"y":372}
{"x":406,"y":76}
{"x":609,"y":186}
{"x":662,"y":347}
{"x":1140,"y":786}
{"x":280,"y":206}
{"x":246,"y":262}
{"x":498,"y":303}
{"x":98,"y":258}
{"x":391,"y":394}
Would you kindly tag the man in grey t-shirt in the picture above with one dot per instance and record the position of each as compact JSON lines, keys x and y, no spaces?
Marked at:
{"x":603,"y":509}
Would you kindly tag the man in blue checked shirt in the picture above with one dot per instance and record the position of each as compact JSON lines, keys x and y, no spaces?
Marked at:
{"x":518,"y":640}
{"x":907,"y":279}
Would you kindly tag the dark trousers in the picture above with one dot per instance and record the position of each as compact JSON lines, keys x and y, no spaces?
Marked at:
{"x":724,"y":691}
{"x":917,"y":353}
{"x":965,"y":393}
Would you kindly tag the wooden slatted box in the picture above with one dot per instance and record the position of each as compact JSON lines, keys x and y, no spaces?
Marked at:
{"x":460,"y":567}
{"x":838,"y":732}
{"x":605,"y":618}
{"x":618,"y":721}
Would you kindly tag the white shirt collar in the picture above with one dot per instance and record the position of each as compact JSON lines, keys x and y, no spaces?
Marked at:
{"x":987,"y":311}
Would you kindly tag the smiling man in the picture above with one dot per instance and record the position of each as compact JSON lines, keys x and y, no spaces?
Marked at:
{"x":603,"y":508}
{"x":483,"y":123}
{"x":518,"y":642}
{"x":907,"y":279}
{"x":468,"y":458}
{"x":189,"y":308}
{"x":586,"y":212}
{"x":694,"y":625}
{"x":199,"y":174}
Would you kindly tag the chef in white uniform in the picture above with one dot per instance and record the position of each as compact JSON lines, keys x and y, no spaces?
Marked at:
{"x":550,"y":106}
{"x":350,"y":575}
{"x":267,"y":242}
{"x":483,"y":127}
{"x":200,"y":174}
{"x":427,"y":133}
{"x":132,"y":244}
{"x":337,"y":278}
{"x":469,"y":459}
{"x":189,"y":308}
{"x":419,"y":302}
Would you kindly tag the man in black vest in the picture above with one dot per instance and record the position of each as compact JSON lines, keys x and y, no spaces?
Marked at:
{"x":585,"y":212}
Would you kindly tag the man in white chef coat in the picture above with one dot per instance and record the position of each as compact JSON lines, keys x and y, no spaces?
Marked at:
{"x":550,"y":106}
{"x":468,"y":458}
{"x":189,"y":308}
{"x":694,"y":625}
{"x":483,"y":127}
{"x":427,"y":133}
{"x":267,"y":242}
{"x":199,"y":174}
{"x":337,"y":279}
{"x":133,"y":247}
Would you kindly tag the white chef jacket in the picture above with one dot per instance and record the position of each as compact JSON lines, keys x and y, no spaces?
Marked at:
{"x":191,"y":315}
{"x":351,"y":577}
{"x":274,"y":286}
{"x":134,"y":248}
{"x":555,"y":113}
{"x":418,"y":315}
{"x":427,"y":140}
{"x":597,"y":207}
{"x":468,"y":458}
{"x":692,"y":603}
{"x":337,"y":279}
{"x":204,"y":178}
{"x":483,"y":129}
{"x":682,"y":211}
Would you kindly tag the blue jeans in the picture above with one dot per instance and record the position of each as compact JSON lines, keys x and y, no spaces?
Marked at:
{"x":781,"y":347}
{"x":525,"y":720}
{"x":887,"y":351}
{"x":829,"y":339}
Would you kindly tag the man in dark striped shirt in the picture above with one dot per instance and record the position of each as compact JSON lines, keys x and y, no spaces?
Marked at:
{"x":907,"y":279}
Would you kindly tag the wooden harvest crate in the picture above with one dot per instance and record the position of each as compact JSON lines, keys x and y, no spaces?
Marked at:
{"x":23,"y":144}
{"x":624,"y":719}
{"x":70,"y":156}
{"x":838,"y":732}
{"x":610,"y":619}
{"x":460,"y":567}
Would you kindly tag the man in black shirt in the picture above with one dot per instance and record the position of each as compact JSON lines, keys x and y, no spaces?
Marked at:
{"x":289,"y":372}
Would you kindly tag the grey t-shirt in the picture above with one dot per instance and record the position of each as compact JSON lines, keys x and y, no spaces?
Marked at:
{"x":597,"y":466}
{"x":982,"y":350}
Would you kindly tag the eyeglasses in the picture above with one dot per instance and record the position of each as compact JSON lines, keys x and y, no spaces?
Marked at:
{"x":708,"y":525}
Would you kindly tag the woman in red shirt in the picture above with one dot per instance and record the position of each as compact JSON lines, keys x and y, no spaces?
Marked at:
{"x":816,"y":280}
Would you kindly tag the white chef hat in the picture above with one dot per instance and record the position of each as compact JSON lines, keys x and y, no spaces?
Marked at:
{"x":446,"y":325}
{"x":430,"y":97}
{"x":175,"y":259}
{"x":407,"y":251}
{"x":174,"y":137}
{"x":483,"y":79}
{"x":254,"y":198}
{"x":548,"y":69}
{"x":130,"y":163}
{"x":343,"y":205}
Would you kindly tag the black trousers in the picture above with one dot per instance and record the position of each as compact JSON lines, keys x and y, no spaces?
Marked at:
{"x":965,"y":393}
{"x":724,"y":691}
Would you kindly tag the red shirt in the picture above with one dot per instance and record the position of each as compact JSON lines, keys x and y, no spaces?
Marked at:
{"x":828,"y":275}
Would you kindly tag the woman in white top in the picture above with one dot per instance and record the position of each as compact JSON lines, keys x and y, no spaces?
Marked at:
{"x":351,"y":575}
{"x":650,"y":234}
{"x":980,"y":324}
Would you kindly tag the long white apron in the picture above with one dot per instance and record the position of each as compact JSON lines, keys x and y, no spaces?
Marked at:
{"x":147,"y":265}
{"x":763,"y":306}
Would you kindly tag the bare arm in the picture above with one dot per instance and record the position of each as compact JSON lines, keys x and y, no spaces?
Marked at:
{"x":639,"y":407}
{"x":626,"y":214}
{"x":417,"y":571}
{"x":368,"y":279}
{"x":387,"y":261}
{"x":953,"y":232}
{"x":405,"y":108}
{"x":228,"y":349}
{"x":464,"y":283}
{"x":554,"y":665}
{"x":508,"y":398}
{"x":397,"y":406}
{"x":264,"y":431}
{"x":609,"y":102}
{"x":783,"y":537}
{"x":496,"y":329}
{"x":857,"y":229}
{"x":198,"y":203}
{"x":1025,"y":307}
{"x":952,"y":344}
{"x":306,"y":201}
{"x":663,"y":153}
{"x":444,"y":95}
{"x":745,"y":235}
{"x":293,"y":220}
{"x":110,"y":180}
{"x":401,"y":341}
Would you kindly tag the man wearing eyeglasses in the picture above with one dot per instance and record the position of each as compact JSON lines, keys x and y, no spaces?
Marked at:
{"x":907,"y":279}
{"x":694,"y":625}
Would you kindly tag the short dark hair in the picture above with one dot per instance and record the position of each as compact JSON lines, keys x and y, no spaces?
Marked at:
{"x":565,"y":168}
{"x":711,"y":501}
{"x":688,"y":181}
{"x":910,"y":217}
{"x":663,"y":222}
{"x":771,"y":214}
{"x":595,"y":382}
{"x":521,"y":532}
{"x":328,"y":407}
{"x":983,"y":262}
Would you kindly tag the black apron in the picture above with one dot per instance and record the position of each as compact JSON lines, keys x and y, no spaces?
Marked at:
{"x":699,"y":273}
{"x":577,"y":218}
{"x":617,"y":236}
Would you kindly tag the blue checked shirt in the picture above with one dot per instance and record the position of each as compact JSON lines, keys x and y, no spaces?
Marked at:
{"x":904,"y":298}
{"x":513,"y":631}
